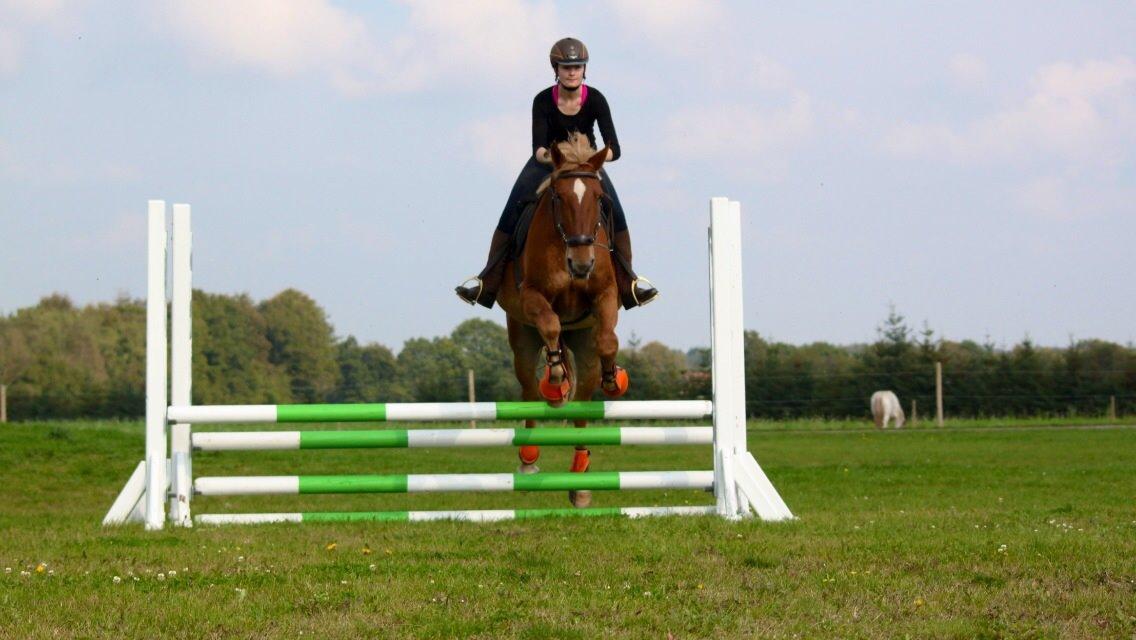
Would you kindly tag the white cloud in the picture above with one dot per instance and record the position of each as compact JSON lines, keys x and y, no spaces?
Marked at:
{"x":673,"y":26}
{"x":501,"y":142}
{"x":968,"y":69}
{"x":441,"y":41}
{"x":33,"y":10}
{"x":1073,"y":195}
{"x":11,"y":51}
{"x":1081,"y":112}
{"x":30,"y":165}
{"x":17,"y":18}
{"x":284,"y":38}
{"x":738,"y":130}
{"x":450,"y":39}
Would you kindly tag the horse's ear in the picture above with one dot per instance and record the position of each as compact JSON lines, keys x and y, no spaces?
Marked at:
{"x":557,"y":156}
{"x":596,"y":161}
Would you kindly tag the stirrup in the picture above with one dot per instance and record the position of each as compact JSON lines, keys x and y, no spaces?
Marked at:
{"x":635,"y":292}
{"x":480,"y":288}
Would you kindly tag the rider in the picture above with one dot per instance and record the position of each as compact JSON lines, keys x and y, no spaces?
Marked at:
{"x":567,"y":106}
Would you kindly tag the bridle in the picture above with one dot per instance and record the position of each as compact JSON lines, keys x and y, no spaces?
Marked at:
{"x":558,"y":216}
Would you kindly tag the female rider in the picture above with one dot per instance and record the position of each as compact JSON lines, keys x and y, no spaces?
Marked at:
{"x":567,"y":106}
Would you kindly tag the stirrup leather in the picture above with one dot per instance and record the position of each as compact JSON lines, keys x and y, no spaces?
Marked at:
{"x":635,"y":292}
{"x":480,"y":289}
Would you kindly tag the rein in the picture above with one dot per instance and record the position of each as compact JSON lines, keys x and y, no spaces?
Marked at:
{"x":558,"y":217}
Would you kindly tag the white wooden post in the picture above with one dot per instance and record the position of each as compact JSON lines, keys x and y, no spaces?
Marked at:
{"x":739,"y":483}
{"x":181,"y":368}
{"x":156,"y":367}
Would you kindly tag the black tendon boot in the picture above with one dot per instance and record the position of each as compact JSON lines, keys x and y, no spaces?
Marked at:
{"x":633,"y":290}
{"x":483,"y":289}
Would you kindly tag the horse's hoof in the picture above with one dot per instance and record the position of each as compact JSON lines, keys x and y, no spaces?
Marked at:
{"x":528,"y":469}
{"x":580,"y":499}
{"x":618,"y":385}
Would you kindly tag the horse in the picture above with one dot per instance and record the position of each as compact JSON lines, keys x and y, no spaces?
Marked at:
{"x":885,"y":406}
{"x":561,"y":316}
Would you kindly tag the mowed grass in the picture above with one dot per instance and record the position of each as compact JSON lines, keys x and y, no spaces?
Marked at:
{"x":987,"y":532}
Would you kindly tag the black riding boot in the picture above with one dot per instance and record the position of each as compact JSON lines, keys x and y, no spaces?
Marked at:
{"x":633,"y":290}
{"x":483,"y":291}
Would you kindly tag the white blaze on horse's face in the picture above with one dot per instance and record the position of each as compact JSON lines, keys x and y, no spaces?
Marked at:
{"x":579,"y":189}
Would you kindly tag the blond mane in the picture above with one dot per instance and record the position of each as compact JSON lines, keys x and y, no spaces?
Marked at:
{"x":576,"y":149}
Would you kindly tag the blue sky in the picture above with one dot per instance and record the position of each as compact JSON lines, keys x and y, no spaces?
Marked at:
{"x":971,"y":163}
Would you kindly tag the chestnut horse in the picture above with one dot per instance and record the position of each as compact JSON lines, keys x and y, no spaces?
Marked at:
{"x":562,"y":316}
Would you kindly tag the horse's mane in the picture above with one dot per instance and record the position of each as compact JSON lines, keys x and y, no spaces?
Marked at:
{"x":576,"y":149}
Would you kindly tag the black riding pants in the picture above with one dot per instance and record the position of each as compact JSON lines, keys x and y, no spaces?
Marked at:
{"x":525,"y":188}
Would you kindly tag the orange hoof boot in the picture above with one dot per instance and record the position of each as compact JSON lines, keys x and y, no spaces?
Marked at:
{"x":529,"y":454}
{"x":581,"y":461}
{"x":615,"y":385}
{"x":554,"y":392}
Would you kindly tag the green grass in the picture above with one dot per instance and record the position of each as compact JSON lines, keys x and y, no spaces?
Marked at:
{"x":996,"y":530}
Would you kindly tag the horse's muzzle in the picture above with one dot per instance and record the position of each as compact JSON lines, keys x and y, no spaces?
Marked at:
{"x":580,"y":270}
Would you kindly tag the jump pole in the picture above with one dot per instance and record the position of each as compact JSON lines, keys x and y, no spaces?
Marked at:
{"x":741,"y":488}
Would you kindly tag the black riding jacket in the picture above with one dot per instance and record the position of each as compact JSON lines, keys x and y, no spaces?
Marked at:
{"x":550,"y":125}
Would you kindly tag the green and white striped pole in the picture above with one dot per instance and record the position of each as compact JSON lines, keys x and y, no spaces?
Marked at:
{"x":443,"y":411}
{"x":482,"y":515}
{"x":431,"y":483}
{"x":425,"y":438}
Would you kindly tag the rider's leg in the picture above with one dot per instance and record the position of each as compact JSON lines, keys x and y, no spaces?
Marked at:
{"x":633,"y":291}
{"x":483,"y":289}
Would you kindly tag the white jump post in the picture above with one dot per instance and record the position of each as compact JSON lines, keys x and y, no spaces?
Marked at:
{"x":181,"y":364}
{"x":740,"y":486}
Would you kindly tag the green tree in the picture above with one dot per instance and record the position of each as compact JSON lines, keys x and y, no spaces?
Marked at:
{"x":367,"y":374}
{"x":657,"y":372}
{"x":433,"y":370}
{"x":485,"y":349}
{"x":302,"y":344}
{"x":230,"y":353}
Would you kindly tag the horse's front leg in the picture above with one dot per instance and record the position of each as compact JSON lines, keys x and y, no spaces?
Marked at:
{"x":614,"y":380}
{"x":555,"y":386}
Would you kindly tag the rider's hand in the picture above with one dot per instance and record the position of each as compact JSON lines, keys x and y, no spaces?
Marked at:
{"x":543,"y":156}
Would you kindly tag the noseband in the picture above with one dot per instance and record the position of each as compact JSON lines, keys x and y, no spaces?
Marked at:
{"x":558,"y":216}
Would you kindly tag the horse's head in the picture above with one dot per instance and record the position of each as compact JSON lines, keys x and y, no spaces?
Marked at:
{"x":576,"y":195}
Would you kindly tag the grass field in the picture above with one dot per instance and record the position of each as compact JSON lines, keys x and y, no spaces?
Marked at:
{"x":982,"y":530}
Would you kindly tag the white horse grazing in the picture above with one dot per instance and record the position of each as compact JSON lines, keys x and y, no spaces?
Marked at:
{"x":885,"y":406}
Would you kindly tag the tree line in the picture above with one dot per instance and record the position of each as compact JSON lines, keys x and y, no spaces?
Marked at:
{"x":63,"y":361}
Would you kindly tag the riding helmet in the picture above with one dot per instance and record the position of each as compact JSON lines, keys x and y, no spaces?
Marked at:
{"x":569,"y":52}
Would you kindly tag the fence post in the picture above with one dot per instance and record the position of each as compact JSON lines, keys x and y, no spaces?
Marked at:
{"x":472,"y":397}
{"x":1112,"y":407}
{"x":938,"y":394}
{"x":3,"y":403}
{"x":914,"y":412}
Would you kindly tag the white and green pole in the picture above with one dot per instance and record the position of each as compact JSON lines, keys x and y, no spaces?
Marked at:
{"x":428,"y":438}
{"x":443,"y":411}
{"x":432,"y":483}
{"x":475,"y":515}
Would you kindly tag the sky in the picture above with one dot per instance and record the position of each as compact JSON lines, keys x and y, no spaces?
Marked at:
{"x":972,"y":164}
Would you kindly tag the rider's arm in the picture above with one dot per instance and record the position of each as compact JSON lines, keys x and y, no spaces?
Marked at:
{"x":540,"y":130}
{"x":607,"y":129}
